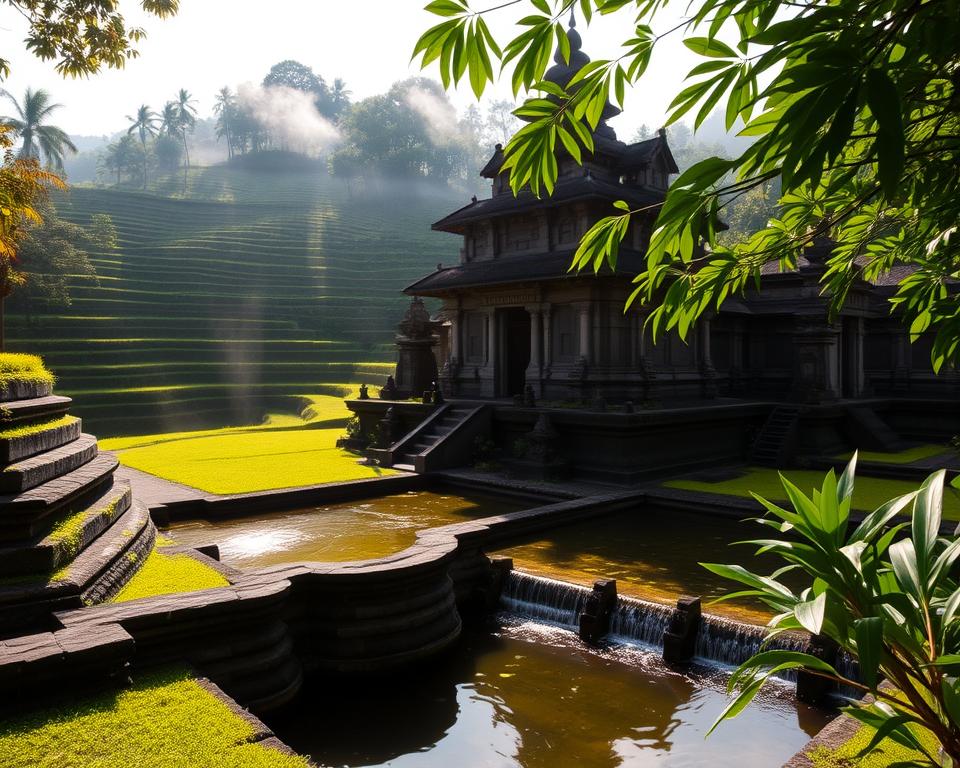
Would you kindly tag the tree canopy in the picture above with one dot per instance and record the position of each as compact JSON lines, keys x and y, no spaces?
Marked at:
{"x":83,"y":36}
{"x":851,"y":105}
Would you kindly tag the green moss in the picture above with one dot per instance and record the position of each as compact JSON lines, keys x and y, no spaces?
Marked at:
{"x":906,"y":456}
{"x":31,"y":429}
{"x":886,"y":754}
{"x":69,"y":531}
{"x":16,"y":368}
{"x":163,"y":574}
{"x":869,"y":493}
{"x":165,"y":720}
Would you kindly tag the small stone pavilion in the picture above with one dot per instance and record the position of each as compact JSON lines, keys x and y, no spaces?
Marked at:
{"x":512,"y":315}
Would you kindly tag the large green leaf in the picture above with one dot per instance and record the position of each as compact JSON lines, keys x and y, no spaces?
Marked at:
{"x":869,"y":636}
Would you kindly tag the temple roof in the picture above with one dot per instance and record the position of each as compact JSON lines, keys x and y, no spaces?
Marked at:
{"x":568,"y":189}
{"x":512,"y":269}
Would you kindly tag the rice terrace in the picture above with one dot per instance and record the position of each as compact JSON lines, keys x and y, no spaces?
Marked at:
{"x":545,"y":383}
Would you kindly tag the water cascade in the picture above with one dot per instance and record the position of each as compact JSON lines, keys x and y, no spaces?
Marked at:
{"x":638,"y":621}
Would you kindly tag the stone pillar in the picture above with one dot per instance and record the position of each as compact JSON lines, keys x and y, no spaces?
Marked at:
{"x":456,"y":325}
{"x":636,"y":339}
{"x":680,"y":636}
{"x":816,"y":374}
{"x":536,"y":335}
{"x":708,"y":376}
{"x":585,"y":331}
{"x":855,"y":368}
{"x":416,"y":364}
{"x":594,"y":620}
{"x":547,"y":337}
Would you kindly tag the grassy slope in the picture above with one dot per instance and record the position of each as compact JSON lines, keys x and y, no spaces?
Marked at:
{"x":869,"y":492}
{"x":281,"y":453}
{"x":257,"y":286}
{"x":163,"y":574}
{"x":165,"y":720}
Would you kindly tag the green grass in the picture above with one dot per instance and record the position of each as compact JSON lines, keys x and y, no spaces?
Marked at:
{"x":869,"y":492}
{"x":165,"y":720}
{"x":16,"y":368}
{"x":70,"y":530}
{"x":31,"y":429}
{"x":283,"y":452}
{"x":163,"y":574}
{"x":887,"y":753}
{"x":905,"y":456}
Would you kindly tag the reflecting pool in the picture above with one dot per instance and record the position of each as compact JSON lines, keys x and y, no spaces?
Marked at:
{"x":530,"y":695}
{"x":356,"y":530}
{"x":653,"y":554}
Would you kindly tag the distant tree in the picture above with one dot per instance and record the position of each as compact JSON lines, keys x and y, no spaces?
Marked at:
{"x":225,"y":108}
{"x":501,"y":122}
{"x":55,"y":252}
{"x":293,"y":74}
{"x":125,"y":157}
{"x":145,"y":125}
{"x":83,"y":35}
{"x":168,"y":151}
{"x":186,"y":118}
{"x":750,"y":212}
{"x":642,"y":133}
{"x":345,"y":163}
{"x":39,"y":139}
{"x":339,"y":97}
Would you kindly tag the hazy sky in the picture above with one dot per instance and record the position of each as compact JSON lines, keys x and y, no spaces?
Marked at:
{"x":212,"y":43}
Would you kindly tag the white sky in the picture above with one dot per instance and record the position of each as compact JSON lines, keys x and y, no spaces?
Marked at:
{"x":212,"y":43}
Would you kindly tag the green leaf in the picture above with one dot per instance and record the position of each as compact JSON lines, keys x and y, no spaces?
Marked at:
{"x":883,"y":98}
{"x":740,"y":703}
{"x":903,"y":557}
{"x":706,"y":46}
{"x":810,"y":614}
{"x":869,"y":636}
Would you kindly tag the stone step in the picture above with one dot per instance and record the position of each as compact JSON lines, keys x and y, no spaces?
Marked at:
{"x":69,"y":536}
{"x":405,"y":467}
{"x":31,"y":472}
{"x":25,"y":390}
{"x":24,"y":515}
{"x":16,"y":448}
{"x":19,"y":411}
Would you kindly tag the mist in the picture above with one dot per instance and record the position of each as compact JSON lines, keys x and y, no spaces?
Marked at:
{"x":291,"y":116}
{"x":439,"y":115}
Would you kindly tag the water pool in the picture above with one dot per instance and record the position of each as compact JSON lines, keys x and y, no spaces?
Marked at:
{"x":357,"y":530}
{"x":530,"y":695}
{"x":653,"y":554}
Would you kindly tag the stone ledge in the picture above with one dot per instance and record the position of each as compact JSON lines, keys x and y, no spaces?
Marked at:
{"x":17,"y":448}
{"x":31,"y":472}
{"x":49,"y":553}
{"x":16,"y":411}
{"x":25,"y":390}
{"x":24,"y":514}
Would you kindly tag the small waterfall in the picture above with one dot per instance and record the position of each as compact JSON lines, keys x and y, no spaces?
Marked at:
{"x":544,"y":599}
{"x":720,"y":640}
{"x":639,"y":621}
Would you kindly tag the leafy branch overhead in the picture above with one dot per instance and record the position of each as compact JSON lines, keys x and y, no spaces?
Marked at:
{"x":852,"y":106}
{"x":83,"y":36}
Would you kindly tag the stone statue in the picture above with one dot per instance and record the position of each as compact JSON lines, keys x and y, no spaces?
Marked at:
{"x":364,"y":393}
{"x":389,"y":392}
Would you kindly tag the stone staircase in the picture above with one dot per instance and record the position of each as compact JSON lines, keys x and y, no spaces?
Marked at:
{"x":70,"y":533}
{"x":772,"y":446}
{"x":410,"y":453}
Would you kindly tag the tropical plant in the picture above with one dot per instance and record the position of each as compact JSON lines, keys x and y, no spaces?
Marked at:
{"x":225,"y":108}
{"x":23,"y":189}
{"x":852,"y":105}
{"x":84,"y":35}
{"x":186,"y":118}
{"x":885,"y":591}
{"x":39,"y":139}
{"x":125,"y":157}
{"x":144,"y":124}
{"x":339,"y":96}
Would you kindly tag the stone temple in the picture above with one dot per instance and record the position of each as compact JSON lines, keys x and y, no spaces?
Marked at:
{"x":513,"y":317}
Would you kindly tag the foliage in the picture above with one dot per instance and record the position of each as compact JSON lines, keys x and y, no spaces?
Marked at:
{"x":23,"y":188}
{"x":852,"y":107}
{"x":883,"y":591}
{"x":144,"y":124}
{"x":163,"y":574}
{"x":164,"y":720}
{"x":126,"y":158}
{"x":54,"y":253}
{"x":17,"y":367}
{"x":39,"y":139}
{"x":12,"y":433}
{"x":83,"y":35}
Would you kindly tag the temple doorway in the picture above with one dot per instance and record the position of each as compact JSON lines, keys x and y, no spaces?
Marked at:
{"x":515,"y":326}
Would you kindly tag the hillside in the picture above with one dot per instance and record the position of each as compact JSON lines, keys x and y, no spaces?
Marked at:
{"x":255,"y":287}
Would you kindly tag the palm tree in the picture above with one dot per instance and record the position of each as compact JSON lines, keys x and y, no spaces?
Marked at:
{"x":145,"y":124}
{"x":38,"y":138}
{"x":339,"y":96}
{"x":186,"y":113}
{"x":170,"y":119}
{"x":223,"y":109}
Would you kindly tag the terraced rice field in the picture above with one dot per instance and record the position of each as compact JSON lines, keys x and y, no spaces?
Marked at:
{"x":254,"y":287}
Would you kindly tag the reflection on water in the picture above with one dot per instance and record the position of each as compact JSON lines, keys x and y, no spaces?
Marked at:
{"x":351,"y":531}
{"x":653,"y":554}
{"x":530,"y":695}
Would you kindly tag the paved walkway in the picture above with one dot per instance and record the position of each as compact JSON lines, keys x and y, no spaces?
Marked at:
{"x":153,"y":490}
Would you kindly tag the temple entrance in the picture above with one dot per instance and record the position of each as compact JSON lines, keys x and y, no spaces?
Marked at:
{"x":515,"y":327}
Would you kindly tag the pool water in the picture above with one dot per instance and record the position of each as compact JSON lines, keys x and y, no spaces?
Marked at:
{"x":357,"y":530}
{"x":653,"y":554}
{"x":530,"y":695}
